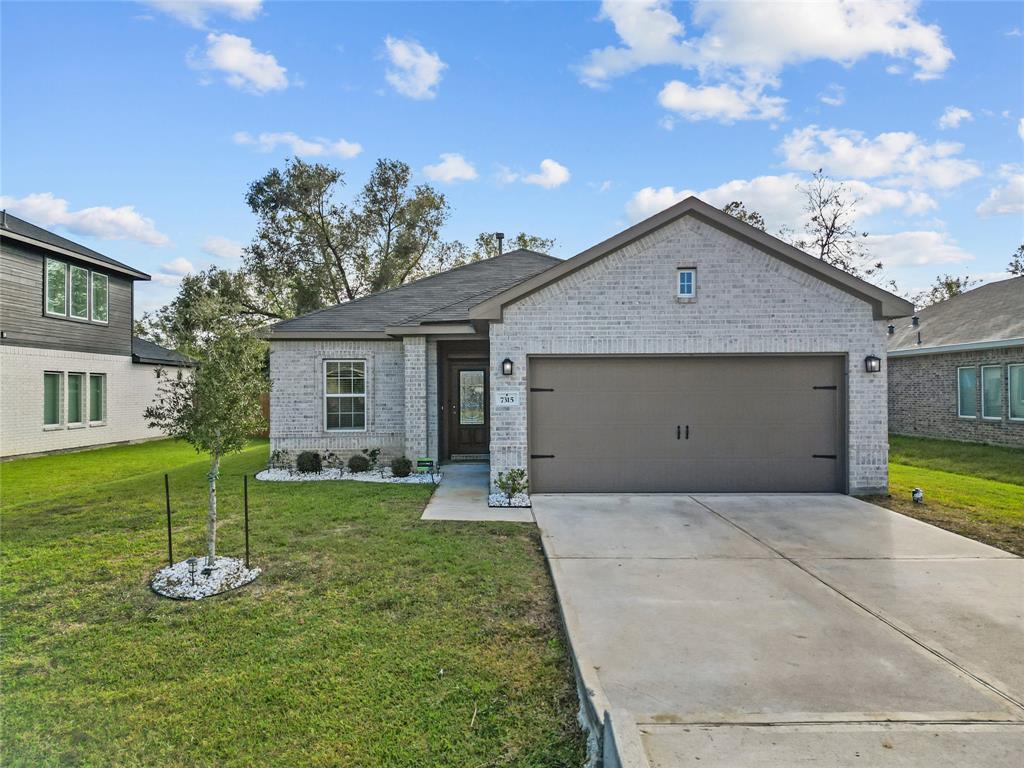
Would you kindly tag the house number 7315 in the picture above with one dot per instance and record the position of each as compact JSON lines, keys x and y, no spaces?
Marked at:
{"x":508,"y":398}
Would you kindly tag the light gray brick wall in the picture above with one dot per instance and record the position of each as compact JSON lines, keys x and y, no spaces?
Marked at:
{"x":433,"y":439}
{"x":747,"y":302}
{"x":414,"y":349}
{"x":130,"y":390}
{"x":297,"y":391}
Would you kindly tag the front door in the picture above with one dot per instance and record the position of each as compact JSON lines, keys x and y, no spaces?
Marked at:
{"x":468,"y":429}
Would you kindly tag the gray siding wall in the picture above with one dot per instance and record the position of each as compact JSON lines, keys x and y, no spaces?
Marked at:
{"x":923,"y":397}
{"x":21,"y":308}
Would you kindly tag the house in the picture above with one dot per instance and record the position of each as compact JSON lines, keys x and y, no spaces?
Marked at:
{"x":956,"y":370}
{"x":690,"y":352}
{"x":71,"y":374}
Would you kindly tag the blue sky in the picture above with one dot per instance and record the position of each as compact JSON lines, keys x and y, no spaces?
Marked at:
{"x":135,"y":128}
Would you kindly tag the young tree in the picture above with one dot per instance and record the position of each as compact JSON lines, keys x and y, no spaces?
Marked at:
{"x":738,"y":210}
{"x":216,"y":406}
{"x":1016,"y":266}
{"x":944,"y":287}
{"x":486,"y":247}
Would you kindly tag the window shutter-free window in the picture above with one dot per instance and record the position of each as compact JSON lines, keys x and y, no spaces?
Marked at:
{"x":1015,"y":390}
{"x":991,"y":391}
{"x":345,"y":394}
{"x":99,"y":298}
{"x":97,"y":385}
{"x":56,"y":287}
{"x":51,"y":399}
{"x":967,"y":392}
{"x":79,"y":293}
{"x":75,"y":397}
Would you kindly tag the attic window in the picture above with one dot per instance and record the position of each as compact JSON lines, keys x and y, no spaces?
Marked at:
{"x":686,"y":283}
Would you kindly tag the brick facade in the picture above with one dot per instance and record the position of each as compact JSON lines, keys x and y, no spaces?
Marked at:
{"x":923,"y":397}
{"x":747,"y":303}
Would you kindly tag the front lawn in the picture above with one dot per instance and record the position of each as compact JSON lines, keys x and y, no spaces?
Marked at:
{"x":974,"y":490}
{"x":371,"y":639}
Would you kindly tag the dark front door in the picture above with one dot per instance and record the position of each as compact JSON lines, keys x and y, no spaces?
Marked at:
{"x":468,"y":428}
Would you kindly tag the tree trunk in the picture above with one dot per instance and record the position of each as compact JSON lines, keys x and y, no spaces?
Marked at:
{"x":211,"y":515}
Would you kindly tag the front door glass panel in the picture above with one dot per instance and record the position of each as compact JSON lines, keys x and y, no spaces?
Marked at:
{"x":471,"y":398}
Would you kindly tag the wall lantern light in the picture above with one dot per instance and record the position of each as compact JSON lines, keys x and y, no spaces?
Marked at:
{"x":892,"y":329}
{"x":506,"y":367}
{"x":872,"y":364}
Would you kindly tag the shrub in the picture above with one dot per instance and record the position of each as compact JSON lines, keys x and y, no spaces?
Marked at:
{"x":512,"y":482}
{"x":401,"y":467}
{"x":358,"y":463}
{"x":309,"y":461}
{"x":372,"y":455}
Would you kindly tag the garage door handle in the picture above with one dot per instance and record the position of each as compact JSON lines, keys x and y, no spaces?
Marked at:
{"x":677,"y":432}
{"x":823,"y":456}
{"x":542,"y":455}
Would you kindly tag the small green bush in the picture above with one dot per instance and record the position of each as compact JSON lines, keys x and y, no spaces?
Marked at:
{"x":358,"y":463}
{"x":401,"y":467}
{"x":512,"y":482}
{"x":309,"y":461}
{"x":372,"y":454}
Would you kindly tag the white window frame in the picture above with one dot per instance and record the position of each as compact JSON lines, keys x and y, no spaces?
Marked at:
{"x":88,"y":293}
{"x":365,"y":395}
{"x":92,"y":304}
{"x":959,"y":399}
{"x":692,"y":271}
{"x":1009,"y":411}
{"x":982,"y":390}
{"x":59,"y":424}
{"x":103,"y":399}
{"x":82,"y":400}
{"x":46,"y":287}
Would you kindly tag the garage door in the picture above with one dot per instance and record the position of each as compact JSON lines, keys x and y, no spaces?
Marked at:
{"x":693,"y":424}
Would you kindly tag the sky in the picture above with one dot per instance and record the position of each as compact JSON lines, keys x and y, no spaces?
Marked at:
{"x":136,"y":127}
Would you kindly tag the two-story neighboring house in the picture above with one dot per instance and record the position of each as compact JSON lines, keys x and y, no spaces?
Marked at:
{"x":71,"y":373}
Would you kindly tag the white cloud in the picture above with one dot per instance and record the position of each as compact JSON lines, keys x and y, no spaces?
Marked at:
{"x":552,"y":174}
{"x":268,"y":142}
{"x":178,"y":266}
{"x":897,"y":158}
{"x":165,"y":279}
{"x":953,"y":116}
{"x":243,"y":66}
{"x":1007,"y":198}
{"x":453,"y":167}
{"x":415,"y":71}
{"x":760,"y":39}
{"x":834,"y":95}
{"x":720,"y":102}
{"x":1020,"y":128}
{"x":915,"y":248}
{"x":667,"y":123}
{"x":505,"y":175}
{"x":125,"y":223}
{"x":196,"y":12}
{"x":221,"y":247}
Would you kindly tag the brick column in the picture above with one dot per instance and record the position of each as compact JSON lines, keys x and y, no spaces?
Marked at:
{"x":414,"y":349}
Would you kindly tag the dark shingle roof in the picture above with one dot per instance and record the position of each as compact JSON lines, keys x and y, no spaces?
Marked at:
{"x":144,"y":351}
{"x":44,"y":237}
{"x":442,"y":298}
{"x":993,"y":312}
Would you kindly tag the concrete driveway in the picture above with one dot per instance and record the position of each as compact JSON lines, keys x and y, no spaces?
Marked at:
{"x":789,"y":630}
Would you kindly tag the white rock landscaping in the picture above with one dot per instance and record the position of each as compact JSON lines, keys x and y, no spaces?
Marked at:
{"x":501,"y":500}
{"x":175,"y":581}
{"x":372,"y":476}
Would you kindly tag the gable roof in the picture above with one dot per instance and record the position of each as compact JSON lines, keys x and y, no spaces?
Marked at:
{"x":883,"y":303}
{"x":19,"y":229}
{"x":989,"y":316}
{"x":439,"y":299}
{"x":144,"y":351}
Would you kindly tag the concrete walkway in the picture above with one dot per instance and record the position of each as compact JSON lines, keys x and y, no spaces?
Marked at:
{"x":462,"y":495}
{"x":789,"y":630}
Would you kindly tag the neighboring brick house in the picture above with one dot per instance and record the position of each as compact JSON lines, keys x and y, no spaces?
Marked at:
{"x":691,"y":352}
{"x":956,"y":371}
{"x":71,"y":374}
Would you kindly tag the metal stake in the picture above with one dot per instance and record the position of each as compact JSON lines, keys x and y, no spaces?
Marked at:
{"x":167,"y":499}
{"x":245,"y":487}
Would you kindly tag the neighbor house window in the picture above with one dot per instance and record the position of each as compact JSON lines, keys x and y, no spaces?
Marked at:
{"x":687,"y":286}
{"x":345,"y":394}
{"x":1015,"y":391}
{"x":99,"y":298}
{"x":75,"y":392}
{"x":991,"y":392}
{"x":56,"y":287}
{"x":79,"y":293}
{"x":97,"y":397}
{"x":51,"y":398}
{"x":967,"y":392}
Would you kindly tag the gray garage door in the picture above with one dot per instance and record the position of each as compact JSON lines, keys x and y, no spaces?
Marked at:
{"x":693,"y":424}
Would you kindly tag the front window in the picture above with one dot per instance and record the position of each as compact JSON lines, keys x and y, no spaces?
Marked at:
{"x":75,"y":391}
{"x":967,"y":392}
{"x":991,"y":391}
{"x":56,"y":287}
{"x":97,"y":396}
{"x":99,"y":298}
{"x":79,"y":293}
{"x":687,"y":283}
{"x":51,"y":398}
{"x":1015,"y":391}
{"x":345,"y":394}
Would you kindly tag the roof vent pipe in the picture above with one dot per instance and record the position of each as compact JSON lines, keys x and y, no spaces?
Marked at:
{"x":501,"y":240}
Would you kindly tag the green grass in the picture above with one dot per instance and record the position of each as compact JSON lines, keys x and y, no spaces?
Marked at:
{"x":371,"y":639}
{"x":974,"y":490}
